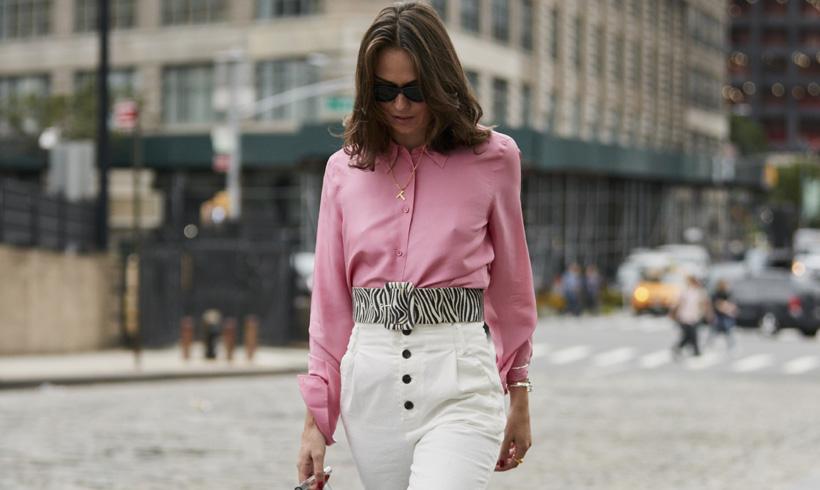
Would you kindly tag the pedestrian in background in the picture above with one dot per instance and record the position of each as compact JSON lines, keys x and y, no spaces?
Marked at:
{"x":420,"y":241}
{"x":572,"y":284}
{"x":592,"y":288}
{"x":690,"y":310}
{"x":725,"y":312}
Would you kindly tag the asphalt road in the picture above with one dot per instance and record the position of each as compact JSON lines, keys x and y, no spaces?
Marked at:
{"x":611,"y":410}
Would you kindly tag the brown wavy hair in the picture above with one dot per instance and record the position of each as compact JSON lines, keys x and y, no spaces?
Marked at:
{"x":454,"y":111}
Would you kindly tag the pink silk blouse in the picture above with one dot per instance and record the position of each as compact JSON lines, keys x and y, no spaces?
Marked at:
{"x":460,"y":225}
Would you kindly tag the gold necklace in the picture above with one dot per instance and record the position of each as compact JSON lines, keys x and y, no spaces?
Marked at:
{"x":401,"y":189}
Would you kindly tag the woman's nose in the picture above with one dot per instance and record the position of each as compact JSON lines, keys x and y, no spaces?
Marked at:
{"x":400,"y":102}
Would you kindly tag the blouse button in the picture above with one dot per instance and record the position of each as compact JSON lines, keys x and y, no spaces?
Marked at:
{"x":405,"y":210}
{"x":405,"y":354}
{"x":408,"y":405}
{"x":399,"y":253}
{"x":406,"y":379}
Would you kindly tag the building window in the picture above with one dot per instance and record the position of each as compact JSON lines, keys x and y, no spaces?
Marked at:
{"x":500,"y":101}
{"x":552,"y":111}
{"x":577,"y":52}
{"x":501,"y":20}
{"x":472,"y":78}
{"x":20,"y":19}
{"x":599,"y":49}
{"x":187,"y":92}
{"x":270,"y":9}
{"x":441,"y":8}
{"x":471,"y":15}
{"x":277,"y":76}
{"x":121,"y":82}
{"x":16,"y":88}
{"x":636,"y":65}
{"x":555,"y":24}
{"x":577,"y":110}
{"x":704,"y":90}
{"x":620,"y":58}
{"x":635,"y":8}
{"x":526,"y":105}
{"x":122,"y":14}
{"x":527,"y":19}
{"x":180,"y":12}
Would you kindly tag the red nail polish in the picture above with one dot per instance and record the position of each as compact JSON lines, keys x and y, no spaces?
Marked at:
{"x":321,"y":484}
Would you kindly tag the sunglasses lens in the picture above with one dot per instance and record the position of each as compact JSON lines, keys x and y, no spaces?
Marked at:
{"x":413,"y":93}
{"x":385,"y":93}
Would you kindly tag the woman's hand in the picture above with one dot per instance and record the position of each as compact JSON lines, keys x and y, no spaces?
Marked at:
{"x":312,"y":454}
{"x":517,"y":436}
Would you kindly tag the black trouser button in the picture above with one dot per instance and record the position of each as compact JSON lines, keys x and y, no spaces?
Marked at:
{"x":405,"y":354}
{"x":406,"y":378}
{"x":406,"y":332}
{"x":408,"y":405}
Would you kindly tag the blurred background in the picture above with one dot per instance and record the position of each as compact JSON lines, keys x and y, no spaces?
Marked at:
{"x":161,"y":164}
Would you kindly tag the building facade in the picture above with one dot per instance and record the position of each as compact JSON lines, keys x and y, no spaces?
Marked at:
{"x":615,"y":103}
{"x":774,"y":66}
{"x":635,"y":73}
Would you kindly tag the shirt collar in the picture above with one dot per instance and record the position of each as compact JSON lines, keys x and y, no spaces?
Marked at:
{"x":387,"y":158}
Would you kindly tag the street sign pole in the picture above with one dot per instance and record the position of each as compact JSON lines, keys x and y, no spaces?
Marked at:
{"x":234,"y":180}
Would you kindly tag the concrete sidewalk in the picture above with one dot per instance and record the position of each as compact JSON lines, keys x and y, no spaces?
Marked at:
{"x":156,"y":364}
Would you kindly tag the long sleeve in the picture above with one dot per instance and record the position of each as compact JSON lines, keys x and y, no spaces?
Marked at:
{"x":510,"y":310}
{"x":331,"y":316}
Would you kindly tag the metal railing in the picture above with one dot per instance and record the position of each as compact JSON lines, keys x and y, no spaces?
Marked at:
{"x":30,"y":218}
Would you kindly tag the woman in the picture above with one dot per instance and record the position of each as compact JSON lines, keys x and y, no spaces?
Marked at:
{"x":420,"y":243}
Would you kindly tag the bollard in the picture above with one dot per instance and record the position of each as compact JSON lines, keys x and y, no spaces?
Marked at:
{"x":229,"y":337}
{"x":211,"y":320}
{"x":186,"y":336}
{"x":251,"y":330}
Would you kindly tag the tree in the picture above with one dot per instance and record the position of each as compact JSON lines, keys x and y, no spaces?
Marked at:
{"x":747,"y":135}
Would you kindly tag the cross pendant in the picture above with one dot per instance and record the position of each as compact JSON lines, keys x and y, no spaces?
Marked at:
{"x":400,"y":195}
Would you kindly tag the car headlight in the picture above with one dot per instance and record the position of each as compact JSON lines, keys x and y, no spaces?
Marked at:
{"x":641,"y":294}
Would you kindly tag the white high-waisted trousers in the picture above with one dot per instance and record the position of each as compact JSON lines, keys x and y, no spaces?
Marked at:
{"x":423,"y":411}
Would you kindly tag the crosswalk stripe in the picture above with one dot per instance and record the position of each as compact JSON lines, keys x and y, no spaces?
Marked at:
{"x":702,"y":362}
{"x":752,"y":363}
{"x":801,"y":365}
{"x":615,"y":356}
{"x":571,"y":354}
{"x":655,"y":359}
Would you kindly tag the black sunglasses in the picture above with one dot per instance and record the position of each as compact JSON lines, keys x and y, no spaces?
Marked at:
{"x":387,"y":93}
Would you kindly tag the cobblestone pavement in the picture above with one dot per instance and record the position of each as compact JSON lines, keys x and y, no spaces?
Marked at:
{"x":623,"y":429}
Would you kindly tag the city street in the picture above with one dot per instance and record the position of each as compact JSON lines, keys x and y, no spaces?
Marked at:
{"x":611,"y":410}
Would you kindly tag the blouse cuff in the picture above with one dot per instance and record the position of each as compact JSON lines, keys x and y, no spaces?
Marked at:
{"x":316,"y":393}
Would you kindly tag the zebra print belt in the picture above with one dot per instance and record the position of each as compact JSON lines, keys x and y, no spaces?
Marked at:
{"x":401,"y":306}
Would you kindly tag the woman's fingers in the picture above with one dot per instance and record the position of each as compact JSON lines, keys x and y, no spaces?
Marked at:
{"x":318,"y":470}
{"x":305,"y":467}
{"x":504,"y":455}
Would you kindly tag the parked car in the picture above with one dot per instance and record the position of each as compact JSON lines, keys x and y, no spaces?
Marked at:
{"x":806,"y":267}
{"x":774,"y":300}
{"x":731,"y":272}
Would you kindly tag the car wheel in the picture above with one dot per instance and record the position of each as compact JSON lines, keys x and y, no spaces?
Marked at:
{"x":810,"y":333}
{"x":768,"y":324}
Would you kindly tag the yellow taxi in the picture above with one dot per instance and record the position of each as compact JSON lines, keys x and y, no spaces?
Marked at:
{"x":657,"y":293}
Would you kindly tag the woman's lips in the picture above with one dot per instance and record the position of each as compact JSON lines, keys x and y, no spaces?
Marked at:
{"x":403,"y":120}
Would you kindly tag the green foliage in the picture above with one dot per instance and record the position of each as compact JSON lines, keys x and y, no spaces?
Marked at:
{"x":747,"y":135}
{"x":74,"y":114}
{"x":788,"y":189}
